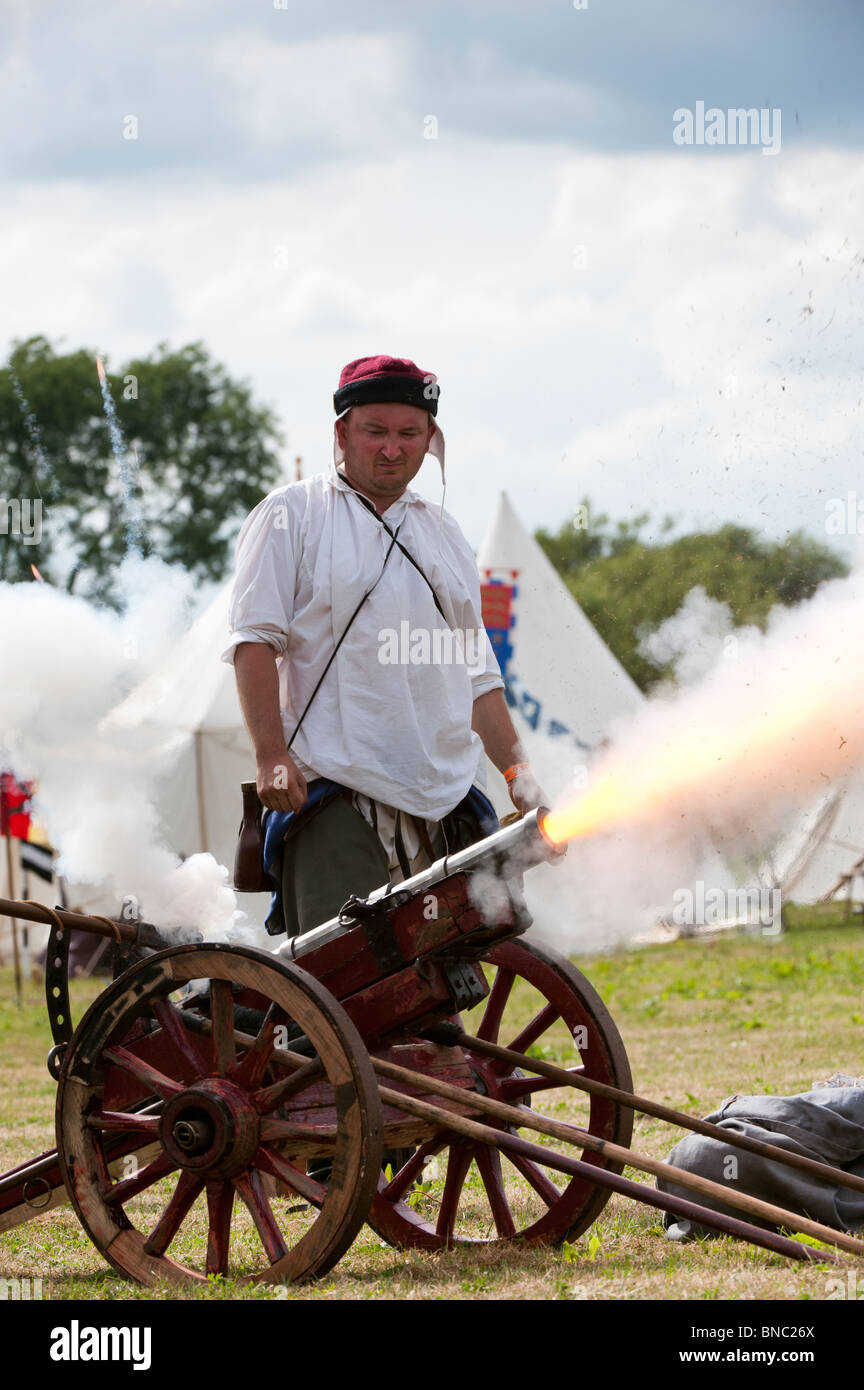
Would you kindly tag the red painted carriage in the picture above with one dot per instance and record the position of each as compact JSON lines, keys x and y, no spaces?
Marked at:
{"x":223,"y":1110}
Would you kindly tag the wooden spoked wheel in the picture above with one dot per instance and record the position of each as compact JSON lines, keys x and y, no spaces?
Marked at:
{"x":231,"y":1091}
{"x":452,"y":1191}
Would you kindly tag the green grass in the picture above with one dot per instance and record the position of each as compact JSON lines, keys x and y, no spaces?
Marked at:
{"x":701,"y":1020}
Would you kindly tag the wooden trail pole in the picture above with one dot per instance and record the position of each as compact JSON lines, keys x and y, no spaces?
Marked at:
{"x":571,"y":1134}
{"x":825,"y":1171}
{"x":512,"y":1143}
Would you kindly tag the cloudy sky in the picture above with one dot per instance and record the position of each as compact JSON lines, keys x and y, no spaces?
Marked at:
{"x":491,"y":187}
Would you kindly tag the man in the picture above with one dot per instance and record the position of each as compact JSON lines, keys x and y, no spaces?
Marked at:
{"x":358,"y":645}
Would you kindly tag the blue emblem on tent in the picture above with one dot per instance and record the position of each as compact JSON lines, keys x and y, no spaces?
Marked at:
{"x":496,"y":600}
{"x":496,"y":597}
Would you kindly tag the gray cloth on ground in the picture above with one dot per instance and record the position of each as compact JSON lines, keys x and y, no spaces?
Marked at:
{"x":825,"y":1124}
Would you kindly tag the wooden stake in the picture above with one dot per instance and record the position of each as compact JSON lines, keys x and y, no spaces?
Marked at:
{"x":571,"y":1134}
{"x":826,"y":1172}
{"x":198,"y":740}
{"x":603,"y":1177}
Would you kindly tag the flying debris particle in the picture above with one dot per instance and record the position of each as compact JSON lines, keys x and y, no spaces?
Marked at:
{"x":134,"y":521}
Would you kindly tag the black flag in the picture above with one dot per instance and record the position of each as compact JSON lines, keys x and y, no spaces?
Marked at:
{"x":38,"y":859}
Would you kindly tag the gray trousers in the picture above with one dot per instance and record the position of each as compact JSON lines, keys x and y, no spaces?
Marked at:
{"x":336,"y":853}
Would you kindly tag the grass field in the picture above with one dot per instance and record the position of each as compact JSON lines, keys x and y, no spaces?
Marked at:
{"x":701,"y":1020}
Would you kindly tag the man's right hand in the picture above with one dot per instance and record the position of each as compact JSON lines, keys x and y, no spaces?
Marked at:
{"x":281,"y":785}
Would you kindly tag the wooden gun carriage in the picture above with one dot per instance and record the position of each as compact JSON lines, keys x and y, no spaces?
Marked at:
{"x":289,"y":1097}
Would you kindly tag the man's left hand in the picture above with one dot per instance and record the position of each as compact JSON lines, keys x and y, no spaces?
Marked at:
{"x":525,"y":792}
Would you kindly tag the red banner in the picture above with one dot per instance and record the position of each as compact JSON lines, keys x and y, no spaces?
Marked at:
{"x":14,"y":806}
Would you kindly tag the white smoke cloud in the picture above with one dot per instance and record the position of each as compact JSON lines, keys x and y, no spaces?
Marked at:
{"x":695,"y":638}
{"x":724,"y":763}
{"x":63,"y":665}
{"x":711,"y":771}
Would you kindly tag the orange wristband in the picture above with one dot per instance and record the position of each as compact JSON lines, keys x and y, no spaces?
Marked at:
{"x":513,"y":772}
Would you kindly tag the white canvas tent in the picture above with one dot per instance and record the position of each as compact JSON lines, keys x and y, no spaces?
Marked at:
{"x":567,"y":687}
{"x":188,"y":717}
{"x":567,"y":692}
{"x":189,"y":711}
{"x":824,"y":848}
{"x":17,"y":884}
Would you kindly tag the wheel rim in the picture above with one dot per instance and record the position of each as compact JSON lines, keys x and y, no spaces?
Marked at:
{"x":228,"y":1122}
{"x":536,"y":999}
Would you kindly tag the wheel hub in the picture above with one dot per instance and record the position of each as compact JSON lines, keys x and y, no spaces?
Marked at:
{"x":212,"y":1129}
{"x":193,"y":1135}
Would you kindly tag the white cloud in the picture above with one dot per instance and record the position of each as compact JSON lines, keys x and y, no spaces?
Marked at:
{"x":348,"y":92}
{"x":652,"y":377}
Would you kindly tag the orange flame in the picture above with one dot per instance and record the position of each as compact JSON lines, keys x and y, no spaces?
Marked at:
{"x":36,"y":574}
{"x":101,"y":370}
{"x":699,"y":767}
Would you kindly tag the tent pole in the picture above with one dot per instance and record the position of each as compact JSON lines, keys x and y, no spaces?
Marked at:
{"x":199,"y":788}
{"x":26,"y":961}
{"x":15,"y":956}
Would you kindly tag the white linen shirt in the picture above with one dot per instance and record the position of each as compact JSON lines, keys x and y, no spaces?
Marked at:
{"x":399,"y":733}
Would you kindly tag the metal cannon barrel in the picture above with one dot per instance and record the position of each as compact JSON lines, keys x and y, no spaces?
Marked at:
{"x":506,"y":853}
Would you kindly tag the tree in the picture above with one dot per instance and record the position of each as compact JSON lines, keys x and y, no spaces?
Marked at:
{"x":589,"y":537}
{"x":198,"y":456}
{"x":628,"y":583}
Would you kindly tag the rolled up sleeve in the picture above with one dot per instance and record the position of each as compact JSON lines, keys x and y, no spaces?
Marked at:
{"x":262,"y":598}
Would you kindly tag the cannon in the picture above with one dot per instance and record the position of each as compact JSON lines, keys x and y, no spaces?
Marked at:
{"x":225,"y":1110}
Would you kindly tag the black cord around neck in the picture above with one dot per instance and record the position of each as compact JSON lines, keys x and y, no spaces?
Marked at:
{"x":370,"y":507}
